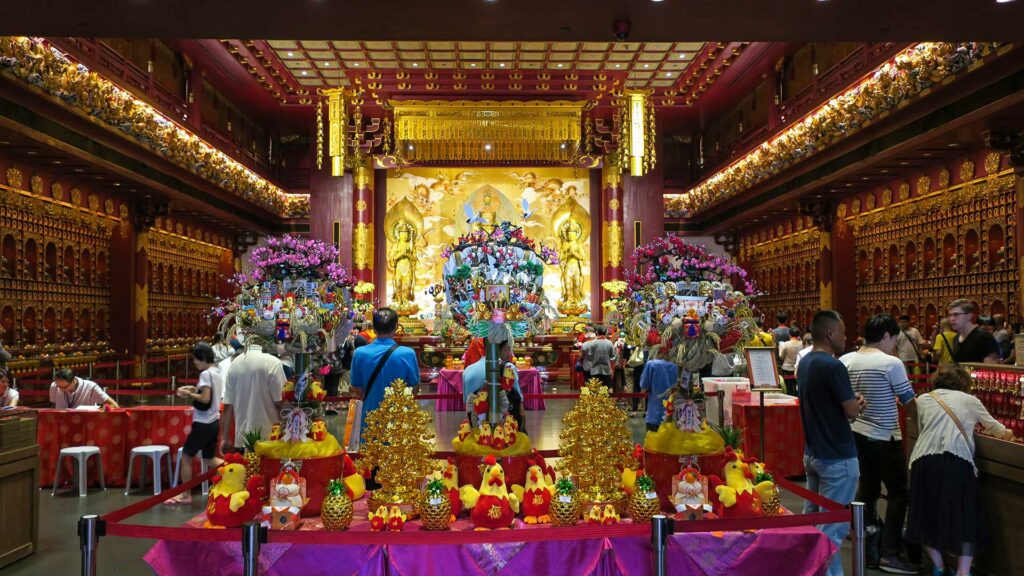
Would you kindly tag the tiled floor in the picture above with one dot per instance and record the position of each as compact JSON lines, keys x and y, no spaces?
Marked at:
{"x":58,"y":544}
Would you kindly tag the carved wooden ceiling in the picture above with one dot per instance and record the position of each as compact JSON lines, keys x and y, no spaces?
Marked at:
{"x":679,"y":73}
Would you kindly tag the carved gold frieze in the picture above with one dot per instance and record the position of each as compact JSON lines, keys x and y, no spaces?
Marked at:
{"x":14,"y":177}
{"x":362,"y":246}
{"x":943,"y":177}
{"x":992,"y":162}
{"x":967,"y":170}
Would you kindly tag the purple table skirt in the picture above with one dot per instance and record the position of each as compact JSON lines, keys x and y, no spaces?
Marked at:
{"x":792,"y":551}
{"x":450,"y":382}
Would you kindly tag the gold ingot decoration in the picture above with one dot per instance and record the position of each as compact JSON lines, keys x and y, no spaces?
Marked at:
{"x":362,"y":246}
{"x":487,"y":131}
{"x":613,"y":244}
{"x":337,"y":129}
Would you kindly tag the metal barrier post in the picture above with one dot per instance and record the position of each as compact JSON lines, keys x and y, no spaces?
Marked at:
{"x":859,"y":539}
{"x":168,"y":366}
{"x":117,"y":370}
{"x":90,"y":370}
{"x":721,"y":408}
{"x":252,"y":537}
{"x":660,"y":530}
{"x":174,"y":386}
{"x":89,"y":531}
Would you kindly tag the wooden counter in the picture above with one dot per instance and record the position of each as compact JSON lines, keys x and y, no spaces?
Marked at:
{"x":1001,"y":476}
{"x":19,"y":500}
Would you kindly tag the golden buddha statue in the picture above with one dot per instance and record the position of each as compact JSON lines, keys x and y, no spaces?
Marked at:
{"x":571,"y":224}
{"x":488,"y":212}
{"x":403,"y":227}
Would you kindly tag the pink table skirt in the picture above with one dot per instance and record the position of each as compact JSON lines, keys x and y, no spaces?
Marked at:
{"x":450,"y":382}
{"x":801,"y":551}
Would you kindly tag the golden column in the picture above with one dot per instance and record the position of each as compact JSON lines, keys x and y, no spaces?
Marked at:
{"x":362,"y":217}
{"x":612,"y":244}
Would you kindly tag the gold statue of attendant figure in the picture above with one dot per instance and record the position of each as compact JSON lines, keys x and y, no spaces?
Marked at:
{"x":488,"y":213}
{"x":403,"y":226}
{"x":572,"y":227}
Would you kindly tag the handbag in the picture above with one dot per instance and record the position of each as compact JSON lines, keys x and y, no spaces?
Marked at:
{"x":636,"y":358}
{"x":956,"y":420}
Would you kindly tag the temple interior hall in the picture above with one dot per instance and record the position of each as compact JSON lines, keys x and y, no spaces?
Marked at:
{"x":314,"y":276}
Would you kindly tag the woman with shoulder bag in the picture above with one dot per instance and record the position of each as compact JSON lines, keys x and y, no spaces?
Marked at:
{"x":944,"y":496}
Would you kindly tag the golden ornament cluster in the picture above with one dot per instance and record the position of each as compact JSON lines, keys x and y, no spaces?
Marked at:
{"x":595,"y":444}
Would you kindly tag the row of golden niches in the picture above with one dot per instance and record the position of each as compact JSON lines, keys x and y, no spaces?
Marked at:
{"x":958,"y":241}
{"x":429,"y":209}
{"x":54,"y":268}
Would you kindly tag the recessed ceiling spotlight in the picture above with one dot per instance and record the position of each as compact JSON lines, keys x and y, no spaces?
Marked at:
{"x":304,"y":73}
{"x":409,"y":147}
{"x":926,"y":154}
{"x":502,"y":65}
{"x":562,"y":145}
{"x":290,"y":54}
{"x":618,"y":65}
{"x":32,"y":152}
{"x":79,"y":170}
{"x":904,"y":163}
{"x":473,"y":65}
{"x":647,"y":65}
{"x":1003,"y":1}
{"x":326,"y":64}
{"x":355,"y":63}
{"x":559,"y":65}
{"x":487,"y":147}
{"x":117,"y":183}
{"x":56,"y":161}
{"x":682,"y":56}
{"x":952,"y":144}
{"x":414,"y":64}
{"x":669,"y":74}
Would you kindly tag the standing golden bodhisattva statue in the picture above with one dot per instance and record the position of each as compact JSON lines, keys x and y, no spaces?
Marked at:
{"x":403,"y":226}
{"x":572,"y":227}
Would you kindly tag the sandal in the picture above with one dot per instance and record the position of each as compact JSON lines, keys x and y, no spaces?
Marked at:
{"x":178,"y":501}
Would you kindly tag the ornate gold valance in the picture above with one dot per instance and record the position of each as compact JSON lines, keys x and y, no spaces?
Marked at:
{"x":487,"y":131}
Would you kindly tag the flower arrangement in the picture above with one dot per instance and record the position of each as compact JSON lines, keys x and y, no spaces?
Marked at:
{"x":906,"y":76}
{"x":499,"y":270}
{"x":680,"y":301}
{"x":295,"y":292}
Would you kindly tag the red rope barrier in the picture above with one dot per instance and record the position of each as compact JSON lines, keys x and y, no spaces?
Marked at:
{"x":808,"y":495}
{"x":133,"y":509}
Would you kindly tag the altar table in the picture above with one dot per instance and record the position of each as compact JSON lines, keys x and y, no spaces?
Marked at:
{"x":115,"y":433}
{"x":450,"y":382}
{"x":784,"y":436}
{"x":799,"y":551}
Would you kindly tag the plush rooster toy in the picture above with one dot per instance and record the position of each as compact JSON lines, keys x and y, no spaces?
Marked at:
{"x":318,"y":431}
{"x":595,"y":516}
{"x":233,"y":500}
{"x":353,"y":480}
{"x":511,"y":430}
{"x":491,"y":506}
{"x":275,"y":432}
{"x":629,"y":475}
{"x":483,"y":435}
{"x":450,"y":479}
{"x":736,"y":497}
{"x":465,"y":429}
{"x":378,"y":519}
{"x":498,"y":441}
{"x":536,"y":497}
{"x":610,"y":516}
{"x":396,"y":519}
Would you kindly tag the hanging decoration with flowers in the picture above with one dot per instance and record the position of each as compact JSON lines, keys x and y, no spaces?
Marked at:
{"x":681,"y":301}
{"x":294,"y":293}
{"x":498,"y":275}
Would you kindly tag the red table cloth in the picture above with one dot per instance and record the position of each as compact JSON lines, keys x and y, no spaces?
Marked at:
{"x":115,"y":433}
{"x":784,"y":436}
{"x":450,"y":382}
{"x":798,"y":551}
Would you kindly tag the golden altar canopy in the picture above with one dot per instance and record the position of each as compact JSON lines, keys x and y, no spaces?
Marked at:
{"x":487,"y":131}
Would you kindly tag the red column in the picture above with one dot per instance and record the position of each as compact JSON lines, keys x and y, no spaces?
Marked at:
{"x":140,"y":317}
{"x":612,"y":248}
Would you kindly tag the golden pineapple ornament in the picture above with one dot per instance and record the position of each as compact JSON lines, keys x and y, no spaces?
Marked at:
{"x":565,"y":504}
{"x":770,"y":499}
{"x":336,"y":511}
{"x":435,"y":508}
{"x":644,"y":503}
{"x":252,"y":459}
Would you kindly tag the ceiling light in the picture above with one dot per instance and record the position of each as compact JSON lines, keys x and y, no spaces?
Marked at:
{"x":414,"y":64}
{"x":290,"y":54}
{"x":926,"y":154}
{"x":56,"y":161}
{"x":502,"y":65}
{"x":487,"y":147}
{"x":79,"y":170}
{"x":952,"y":144}
{"x":303,"y":72}
{"x":355,"y":63}
{"x":409,"y":147}
{"x":1003,"y":1}
{"x":32,"y":152}
{"x":473,"y":65}
{"x":647,"y":65}
{"x":682,"y":56}
{"x":668,"y":74}
{"x":618,"y":65}
{"x":562,"y":145}
{"x":559,"y":65}
{"x":326,"y":64}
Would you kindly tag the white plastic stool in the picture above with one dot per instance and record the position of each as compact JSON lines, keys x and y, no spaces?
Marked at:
{"x":81,"y":455}
{"x":154,"y":452}
{"x":177,"y":471}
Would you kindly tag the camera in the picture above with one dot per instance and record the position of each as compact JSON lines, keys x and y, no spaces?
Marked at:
{"x":621,"y":29}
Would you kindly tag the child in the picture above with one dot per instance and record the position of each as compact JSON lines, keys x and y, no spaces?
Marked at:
{"x":205,"y":416}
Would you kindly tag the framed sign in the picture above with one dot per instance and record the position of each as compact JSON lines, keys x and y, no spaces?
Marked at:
{"x":762,"y":369}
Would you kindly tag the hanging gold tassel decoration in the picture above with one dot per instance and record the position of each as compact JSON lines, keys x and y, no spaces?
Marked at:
{"x":639,"y":120}
{"x":319,"y":134}
{"x":337,"y":128}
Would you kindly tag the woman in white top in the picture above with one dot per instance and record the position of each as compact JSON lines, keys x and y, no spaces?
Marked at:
{"x":788,"y":351}
{"x":944,"y":497}
{"x":8,"y":396}
{"x":205,"y":398}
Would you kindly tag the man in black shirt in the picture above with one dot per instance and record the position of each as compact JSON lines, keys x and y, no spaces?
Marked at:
{"x":827,"y":405}
{"x":972,"y":343}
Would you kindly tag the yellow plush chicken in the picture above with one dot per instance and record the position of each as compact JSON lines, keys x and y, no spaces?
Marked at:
{"x":765,"y":489}
{"x":736,"y":497}
{"x":491,"y":506}
{"x":378,"y":519}
{"x":595,"y":515}
{"x":610,"y":516}
{"x":536,"y":497}
{"x":630,"y":475}
{"x":450,"y":480}
{"x":396,"y":519}
{"x":233,"y":501}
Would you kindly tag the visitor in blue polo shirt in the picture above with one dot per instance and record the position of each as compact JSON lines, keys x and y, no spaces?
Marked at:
{"x":386,"y":357}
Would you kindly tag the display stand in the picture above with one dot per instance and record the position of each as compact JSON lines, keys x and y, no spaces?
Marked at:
{"x":763,"y":372}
